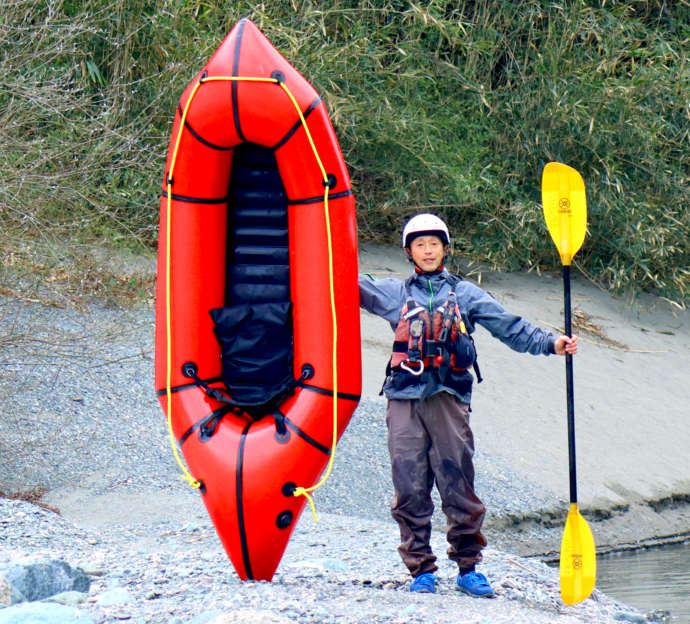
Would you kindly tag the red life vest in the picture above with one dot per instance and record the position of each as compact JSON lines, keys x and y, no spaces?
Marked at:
{"x":432,"y":349}
{"x":424,"y":342}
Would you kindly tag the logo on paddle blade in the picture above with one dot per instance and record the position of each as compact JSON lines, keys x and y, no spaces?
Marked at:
{"x":564,"y":205}
{"x":577,"y":562}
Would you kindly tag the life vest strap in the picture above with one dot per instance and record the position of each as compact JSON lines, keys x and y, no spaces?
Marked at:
{"x":432,"y":348}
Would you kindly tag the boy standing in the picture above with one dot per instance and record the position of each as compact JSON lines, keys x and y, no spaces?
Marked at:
{"x":429,"y":387}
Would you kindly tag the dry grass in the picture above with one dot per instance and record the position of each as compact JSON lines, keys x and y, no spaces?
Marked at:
{"x":32,"y":496}
{"x":589,"y":331}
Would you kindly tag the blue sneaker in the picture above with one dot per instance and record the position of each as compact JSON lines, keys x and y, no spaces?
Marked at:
{"x":424,"y":584}
{"x":475,"y":584}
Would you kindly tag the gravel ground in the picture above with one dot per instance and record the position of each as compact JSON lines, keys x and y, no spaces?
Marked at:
{"x":341,"y":570}
{"x":81,"y":420}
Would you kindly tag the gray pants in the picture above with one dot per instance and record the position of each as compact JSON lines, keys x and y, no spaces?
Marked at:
{"x":429,"y":441}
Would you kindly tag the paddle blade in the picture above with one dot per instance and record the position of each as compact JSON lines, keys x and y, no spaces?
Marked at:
{"x":565,"y":208}
{"x":578,"y":559}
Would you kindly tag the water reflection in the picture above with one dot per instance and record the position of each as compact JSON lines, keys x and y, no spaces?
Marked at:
{"x":653,"y":579}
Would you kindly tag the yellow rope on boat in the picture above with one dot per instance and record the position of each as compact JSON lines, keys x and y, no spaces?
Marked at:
{"x":299,"y":490}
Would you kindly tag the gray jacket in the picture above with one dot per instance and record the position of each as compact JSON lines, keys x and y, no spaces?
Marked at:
{"x":386,"y":297}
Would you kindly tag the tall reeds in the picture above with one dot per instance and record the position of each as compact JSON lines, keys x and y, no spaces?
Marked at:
{"x":448,"y":107}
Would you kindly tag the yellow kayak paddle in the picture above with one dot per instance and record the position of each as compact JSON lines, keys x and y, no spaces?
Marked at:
{"x":565,"y":211}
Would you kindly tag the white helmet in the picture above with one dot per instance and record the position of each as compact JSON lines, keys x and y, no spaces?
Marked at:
{"x":425,"y":224}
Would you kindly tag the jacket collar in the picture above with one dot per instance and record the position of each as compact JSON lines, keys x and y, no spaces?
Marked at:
{"x":421,"y":277}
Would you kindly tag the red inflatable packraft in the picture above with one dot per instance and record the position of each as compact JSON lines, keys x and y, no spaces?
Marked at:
{"x":257,"y":311}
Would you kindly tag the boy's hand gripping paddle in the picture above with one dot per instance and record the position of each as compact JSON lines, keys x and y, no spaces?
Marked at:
{"x":565,"y":211}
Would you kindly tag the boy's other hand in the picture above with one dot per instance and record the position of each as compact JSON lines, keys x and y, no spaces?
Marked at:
{"x":564,"y":345}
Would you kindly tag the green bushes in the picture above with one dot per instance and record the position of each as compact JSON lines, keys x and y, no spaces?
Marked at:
{"x":447,"y":107}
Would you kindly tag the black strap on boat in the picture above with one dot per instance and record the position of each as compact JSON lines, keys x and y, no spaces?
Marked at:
{"x":207,"y":426}
{"x":329,"y":392}
{"x":191,"y":370}
{"x":239,"y":497}
{"x":281,"y":428}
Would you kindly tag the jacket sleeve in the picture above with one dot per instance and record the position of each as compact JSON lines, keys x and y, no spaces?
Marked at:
{"x":383,"y":297}
{"x":512,"y":330}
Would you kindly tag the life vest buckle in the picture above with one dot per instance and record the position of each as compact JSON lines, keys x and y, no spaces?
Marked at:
{"x":413,"y":312}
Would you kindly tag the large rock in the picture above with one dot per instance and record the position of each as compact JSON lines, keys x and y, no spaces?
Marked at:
{"x":43,"y":613}
{"x":36,"y":581}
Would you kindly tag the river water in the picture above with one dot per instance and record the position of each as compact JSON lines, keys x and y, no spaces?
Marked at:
{"x":652,"y":579}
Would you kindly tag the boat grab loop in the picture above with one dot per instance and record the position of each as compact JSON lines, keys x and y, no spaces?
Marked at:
{"x":328,"y":181}
{"x":282,"y":433}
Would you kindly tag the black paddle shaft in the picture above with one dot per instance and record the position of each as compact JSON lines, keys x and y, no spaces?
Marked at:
{"x":569,"y":385}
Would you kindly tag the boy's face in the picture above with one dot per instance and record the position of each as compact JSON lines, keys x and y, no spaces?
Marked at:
{"x":427,"y":252}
